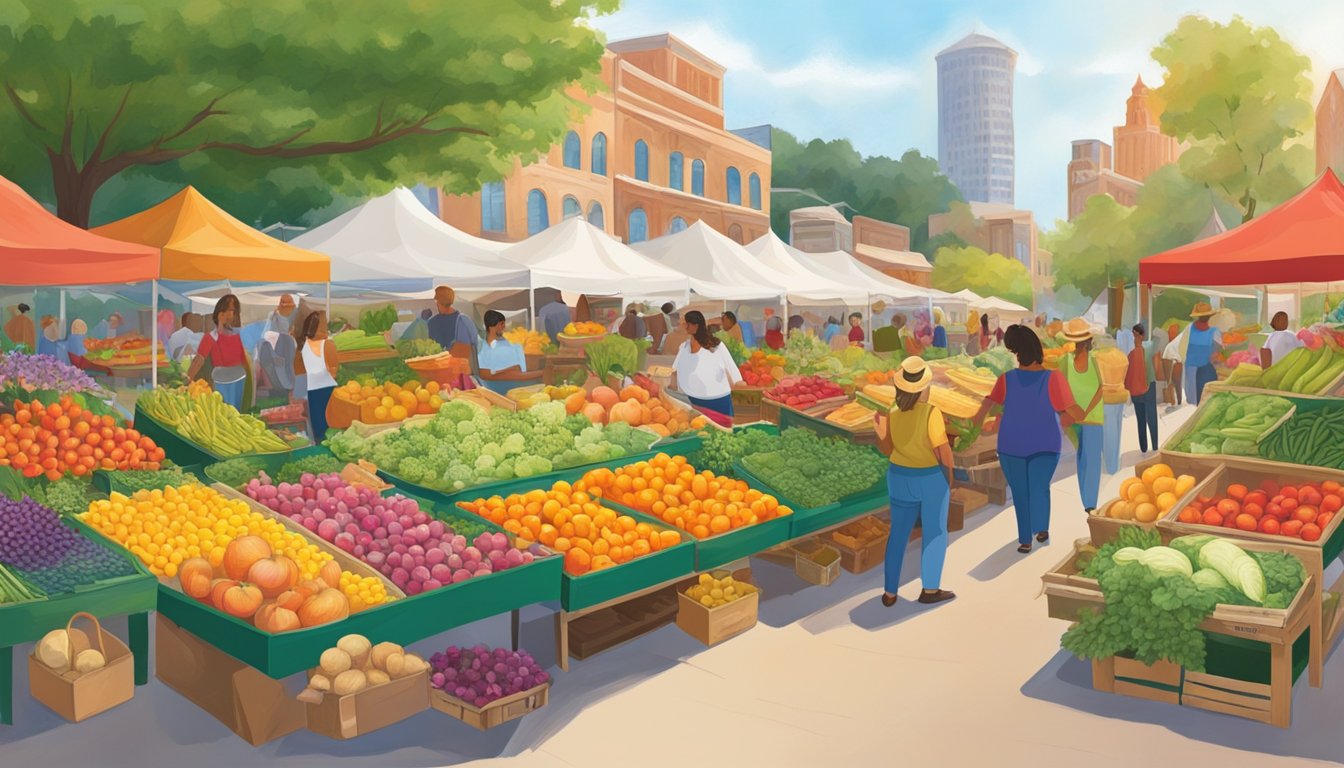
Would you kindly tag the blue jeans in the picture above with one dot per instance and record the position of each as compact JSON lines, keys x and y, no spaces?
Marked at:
{"x":1029,"y":478}
{"x":1145,"y":412}
{"x":722,"y":405}
{"x":317,"y":411}
{"x":232,"y":393}
{"x":921,"y":494}
{"x":1089,"y":462}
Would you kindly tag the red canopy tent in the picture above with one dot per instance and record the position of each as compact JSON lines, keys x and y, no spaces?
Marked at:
{"x":36,"y":248}
{"x":1300,"y":241}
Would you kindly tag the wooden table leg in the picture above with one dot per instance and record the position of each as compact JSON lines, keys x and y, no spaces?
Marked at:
{"x":7,"y":685}
{"x":562,"y":639}
{"x":139,"y":627}
{"x":514,"y":622}
{"x":1316,"y":645}
{"x":1281,"y":684}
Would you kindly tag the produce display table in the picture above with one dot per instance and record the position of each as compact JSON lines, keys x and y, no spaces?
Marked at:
{"x":182,"y":451}
{"x":132,"y":596}
{"x":563,"y":618}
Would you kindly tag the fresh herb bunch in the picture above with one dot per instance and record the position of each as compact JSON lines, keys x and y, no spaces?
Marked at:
{"x":293,"y":471}
{"x":812,"y":471}
{"x":409,"y":348}
{"x":720,"y":450}
{"x":232,"y":472}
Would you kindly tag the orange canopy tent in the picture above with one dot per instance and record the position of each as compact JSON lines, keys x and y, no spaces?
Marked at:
{"x":199,"y":241}
{"x":1300,"y":241}
{"x":36,"y":248}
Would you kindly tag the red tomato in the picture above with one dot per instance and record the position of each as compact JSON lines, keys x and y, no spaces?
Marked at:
{"x":1205,"y":499}
{"x":1330,"y":486}
{"x":1246,"y":523}
{"x":1257,"y":497}
{"x":1269,"y":525}
{"x":1270,"y":487}
{"x":1291,"y":528}
{"x":1236,"y":491}
{"x":1305,"y":514}
{"x":1310,"y":496}
{"x":1323,"y":520}
{"x":1288,"y":504}
{"x":1289,"y":492}
{"x":1275,"y":511}
{"x":1228,"y":507}
{"x":1310,"y":532}
{"x":1254,"y":510}
{"x":1331,"y":502}
{"x":1211,"y":517}
{"x":1189,"y":515}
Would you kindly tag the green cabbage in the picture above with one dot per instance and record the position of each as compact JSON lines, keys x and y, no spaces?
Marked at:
{"x":1165,"y":561}
{"x":1241,"y":570}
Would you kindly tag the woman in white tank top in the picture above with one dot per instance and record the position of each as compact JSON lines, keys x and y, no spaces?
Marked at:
{"x":317,"y":359}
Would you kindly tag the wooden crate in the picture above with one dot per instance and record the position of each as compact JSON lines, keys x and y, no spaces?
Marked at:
{"x":495,"y":713}
{"x":865,"y":556}
{"x":1067,"y":591}
{"x":1127,"y":677}
{"x":605,"y":629}
{"x":714,"y":625}
{"x":984,"y":449}
{"x":988,"y":475}
{"x":965,"y":501}
{"x":355,"y":714}
{"x":808,"y":569}
{"x":1104,"y":528}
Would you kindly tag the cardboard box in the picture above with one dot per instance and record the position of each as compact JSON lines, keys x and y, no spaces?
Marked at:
{"x":807,"y":568}
{"x":355,"y":714}
{"x":496,"y":712}
{"x":714,"y":625}
{"x":78,"y":697}
{"x":859,"y":556}
{"x":965,"y":501}
{"x":258,"y":708}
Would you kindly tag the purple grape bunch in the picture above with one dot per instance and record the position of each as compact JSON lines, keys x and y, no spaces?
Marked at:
{"x":22,"y":370}
{"x":480,"y":675}
{"x":390,"y":533}
{"x":51,"y":555}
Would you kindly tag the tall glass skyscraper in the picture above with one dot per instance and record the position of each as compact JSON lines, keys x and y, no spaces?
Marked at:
{"x":975,"y":118}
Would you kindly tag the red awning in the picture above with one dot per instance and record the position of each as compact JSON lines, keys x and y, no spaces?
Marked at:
{"x":1300,"y":241}
{"x":37,"y":248}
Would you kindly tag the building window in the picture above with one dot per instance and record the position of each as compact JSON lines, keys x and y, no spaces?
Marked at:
{"x":573,"y":154}
{"x":698,"y":178}
{"x":676,"y":178}
{"x":641,"y":160}
{"x":637,"y":226}
{"x":754,"y":190}
{"x":735,"y":233}
{"x":492,"y":206}
{"x":570,"y":208}
{"x":677,"y":224}
{"x":599,"y":158}
{"x":734,"y":181}
{"x":538,"y":218}
{"x":595,"y":216}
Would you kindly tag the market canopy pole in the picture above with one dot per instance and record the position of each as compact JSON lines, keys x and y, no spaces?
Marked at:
{"x":153,"y":334}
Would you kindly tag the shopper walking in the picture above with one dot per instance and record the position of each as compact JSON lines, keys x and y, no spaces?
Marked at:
{"x":703,"y":368}
{"x":1085,"y":383}
{"x":919,"y":480}
{"x":1172,"y":366}
{"x":317,"y":359}
{"x":1201,"y":338}
{"x":223,"y":347}
{"x":20,"y":329}
{"x":1031,"y":398}
{"x":1142,"y":379}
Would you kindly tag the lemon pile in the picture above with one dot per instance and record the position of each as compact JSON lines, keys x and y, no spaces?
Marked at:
{"x":719,"y":589}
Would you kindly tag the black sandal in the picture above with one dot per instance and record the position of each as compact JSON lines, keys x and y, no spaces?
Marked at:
{"x":936,"y":596}
{"x":1043,"y":536}
{"x":889,"y":600}
{"x":1024,"y":548}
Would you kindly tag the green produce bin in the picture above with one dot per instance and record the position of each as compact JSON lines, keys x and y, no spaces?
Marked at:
{"x":107,"y":481}
{"x":717,"y":551}
{"x":184,"y":452}
{"x":1249,"y":660}
{"x":806,"y":521}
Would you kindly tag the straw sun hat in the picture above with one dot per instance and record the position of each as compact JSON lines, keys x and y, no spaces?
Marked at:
{"x":914,"y":375}
{"x":1078,"y":329}
{"x":1202,"y":309}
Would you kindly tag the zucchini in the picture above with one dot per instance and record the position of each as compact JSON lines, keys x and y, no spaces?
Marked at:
{"x":1321,"y":362}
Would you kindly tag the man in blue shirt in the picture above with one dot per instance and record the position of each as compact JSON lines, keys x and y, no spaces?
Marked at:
{"x":451,"y":329}
{"x":1202,"y":339}
{"x":554,"y":316}
{"x":503,"y":364}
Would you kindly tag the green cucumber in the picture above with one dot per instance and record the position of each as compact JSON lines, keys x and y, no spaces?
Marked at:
{"x":1273,"y":375}
{"x":1299,"y":367}
{"x":1316,"y":385}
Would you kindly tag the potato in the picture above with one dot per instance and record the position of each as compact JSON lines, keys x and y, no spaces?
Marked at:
{"x":358,"y":647}
{"x":54,"y":649}
{"x":413,"y":665}
{"x":88,"y":661}
{"x":396,"y":665}
{"x":378,"y":655}
{"x":349,"y":681}
{"x":334,"y":661}
{"x":319,"y":683}
{"x":377,"y":677}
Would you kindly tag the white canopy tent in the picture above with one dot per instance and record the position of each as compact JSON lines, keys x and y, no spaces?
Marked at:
{"x":717,"y":267}
{"x":804,"y":284}
{"x":393,"y":244}
{"x":577,"y":257}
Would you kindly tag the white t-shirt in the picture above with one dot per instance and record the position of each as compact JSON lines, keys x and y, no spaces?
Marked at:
{"x":1280,"y":343}
{"x":706,"y":374}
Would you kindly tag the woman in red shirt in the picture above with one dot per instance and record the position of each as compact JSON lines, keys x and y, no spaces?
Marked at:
{"x":223,"y":347}
{"x":856,"y":329}
{"x":774,"y":338}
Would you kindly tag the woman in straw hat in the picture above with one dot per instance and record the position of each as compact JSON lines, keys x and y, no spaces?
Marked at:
{"x":1032,"y":399}
{"x":1084,"y":380}
{"x":919,"y":479}
{"x":1202,"y":338}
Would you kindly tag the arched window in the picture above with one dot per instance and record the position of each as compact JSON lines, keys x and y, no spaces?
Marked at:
{"x":573,"y":154}
{"x":599,"y":158}
{"x":637,"y":226}
{"x":641,"y":160}
{"x":734,"y":181}
{"x":698,"y":178}
{"x":595,"y":215}
{"x":570,"y":208}
{"x":676,"y":178}
{"x":677,"y":224}
{"x":754,"y":190}
{"x":538,"y":218}
{"x":492,"y":206}
{"x":735,"y":233}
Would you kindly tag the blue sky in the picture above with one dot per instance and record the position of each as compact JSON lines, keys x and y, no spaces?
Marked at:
{"x":864,"y":70}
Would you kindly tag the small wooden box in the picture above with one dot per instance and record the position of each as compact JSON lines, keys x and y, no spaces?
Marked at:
{"x":714,"y":625}
{"x":966,"y":501}
{"x":863,"y":557}
{"x":355,"y":714}
{"x":495,"y":713}
{"x":810,"y":570}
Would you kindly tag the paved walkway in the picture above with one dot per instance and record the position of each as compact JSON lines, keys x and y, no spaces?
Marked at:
{"x":828,"y":678}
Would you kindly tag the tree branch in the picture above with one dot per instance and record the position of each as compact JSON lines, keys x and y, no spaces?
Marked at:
{"x":23,"y":110}
{"x":107,"y":130}
{"x":206,"y":112}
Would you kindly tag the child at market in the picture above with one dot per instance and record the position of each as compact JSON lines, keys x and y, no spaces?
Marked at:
{"x":856,"y":329}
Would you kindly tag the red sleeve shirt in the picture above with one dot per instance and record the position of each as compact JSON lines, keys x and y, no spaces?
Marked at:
{"x":855,"y":333}
{"x":1000,"y":391}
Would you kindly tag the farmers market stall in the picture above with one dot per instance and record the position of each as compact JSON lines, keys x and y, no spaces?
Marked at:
{"x":717,"y":267}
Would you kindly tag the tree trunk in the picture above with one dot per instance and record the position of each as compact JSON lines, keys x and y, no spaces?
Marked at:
{"x":74,"y":190}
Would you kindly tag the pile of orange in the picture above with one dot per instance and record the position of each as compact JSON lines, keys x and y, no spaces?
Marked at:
{"x":575,"y":523}
{"x":670,"y":489}
{"x":390,"y":401}
{"x":50,"y":440}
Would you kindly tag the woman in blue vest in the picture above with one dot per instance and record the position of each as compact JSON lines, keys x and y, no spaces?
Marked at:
{"x":1202,"y":338}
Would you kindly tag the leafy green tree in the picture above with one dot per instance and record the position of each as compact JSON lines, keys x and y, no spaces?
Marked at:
{"x":988,"y":274}
{"x":1241,"y":96}
{"x":270,"y":108}
{"x":905,"y":191}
